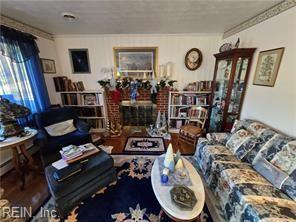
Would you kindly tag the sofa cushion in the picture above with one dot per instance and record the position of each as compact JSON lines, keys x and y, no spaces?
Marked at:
{"x":215,"y":152}
{"x":241,"y":142}
{"x":268,"y":209}
{"x":218,"y":166}
{"x":239,"y":189}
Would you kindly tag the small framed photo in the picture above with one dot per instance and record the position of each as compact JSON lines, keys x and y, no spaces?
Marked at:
{"x":268,"y":66}
{"x":79,"y":61}
{"x":48,"y":66}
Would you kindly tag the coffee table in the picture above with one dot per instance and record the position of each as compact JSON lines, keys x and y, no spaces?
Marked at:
{"x":163,"y":196}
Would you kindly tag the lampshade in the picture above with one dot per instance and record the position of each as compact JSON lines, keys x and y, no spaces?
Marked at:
{"x":9,"y":113}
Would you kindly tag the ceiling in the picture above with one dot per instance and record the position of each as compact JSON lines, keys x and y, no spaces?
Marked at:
{"x":135,"y":16}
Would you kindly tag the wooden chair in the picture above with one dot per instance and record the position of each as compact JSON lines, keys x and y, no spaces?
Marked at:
{"x":194,"y":126}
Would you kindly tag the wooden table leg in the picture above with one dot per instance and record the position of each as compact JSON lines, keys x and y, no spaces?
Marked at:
{"x":17,"y":165}
{"x":27,"y":155}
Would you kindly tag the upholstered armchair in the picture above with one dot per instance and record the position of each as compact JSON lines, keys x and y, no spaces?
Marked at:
{"x":50,"y":145}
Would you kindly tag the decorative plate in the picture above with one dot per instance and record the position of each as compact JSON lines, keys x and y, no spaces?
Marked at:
{"x":183,"y":197}
{"x":193,"y":59}
{"x":225,"y":47}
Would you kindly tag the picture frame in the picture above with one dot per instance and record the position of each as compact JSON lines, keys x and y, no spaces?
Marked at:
{"x":48,"y":66}
{"x":267,"y":68}
{"x":193,"y":59}
{"x":79,"y":60}
{"x":135,"y":62}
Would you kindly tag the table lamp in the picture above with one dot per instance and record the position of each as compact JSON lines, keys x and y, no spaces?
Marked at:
{"x":9,"y":113}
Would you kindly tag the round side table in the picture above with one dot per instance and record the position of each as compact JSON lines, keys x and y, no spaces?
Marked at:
{"x":17,"y":144}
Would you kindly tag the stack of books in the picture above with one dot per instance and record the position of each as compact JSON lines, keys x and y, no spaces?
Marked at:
{"x":62,"y":83}
{"x":71,"y":152}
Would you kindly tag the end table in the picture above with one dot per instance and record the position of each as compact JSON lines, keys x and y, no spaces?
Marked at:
{"x":17,"y":145}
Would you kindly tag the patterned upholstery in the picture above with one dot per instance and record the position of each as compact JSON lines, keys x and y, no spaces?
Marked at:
{"x":258,"y":184}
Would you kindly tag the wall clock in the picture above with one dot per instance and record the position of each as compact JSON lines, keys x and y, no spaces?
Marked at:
{"x":193,"y":59}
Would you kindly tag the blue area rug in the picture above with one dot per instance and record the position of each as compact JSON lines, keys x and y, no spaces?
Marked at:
{"x":130,"y":199}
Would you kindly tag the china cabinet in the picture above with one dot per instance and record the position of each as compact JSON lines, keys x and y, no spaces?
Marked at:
{"x":230,"y":81}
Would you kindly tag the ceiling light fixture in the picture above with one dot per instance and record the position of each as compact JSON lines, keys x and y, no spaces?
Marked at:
{"x":69,"y":16}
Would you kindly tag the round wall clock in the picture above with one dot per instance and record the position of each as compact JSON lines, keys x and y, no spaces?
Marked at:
{"x":193,"y":59}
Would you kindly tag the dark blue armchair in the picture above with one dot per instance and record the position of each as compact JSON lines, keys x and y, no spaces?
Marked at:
{"x":50,"y":145}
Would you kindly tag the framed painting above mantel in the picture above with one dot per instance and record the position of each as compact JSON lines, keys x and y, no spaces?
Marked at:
{"x":135,"y":62}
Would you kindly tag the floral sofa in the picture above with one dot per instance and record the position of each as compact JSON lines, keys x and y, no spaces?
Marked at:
{"x":251,"y":171}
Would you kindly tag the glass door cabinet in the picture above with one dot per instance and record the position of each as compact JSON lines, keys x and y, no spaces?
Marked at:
{"x":230,"y":80}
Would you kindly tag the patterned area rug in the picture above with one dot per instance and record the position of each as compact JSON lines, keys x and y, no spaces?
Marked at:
{"x":130,"y":199}
{"x":144,"y":145}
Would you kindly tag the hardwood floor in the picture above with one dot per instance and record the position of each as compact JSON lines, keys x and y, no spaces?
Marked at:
{"x":36,"y":191}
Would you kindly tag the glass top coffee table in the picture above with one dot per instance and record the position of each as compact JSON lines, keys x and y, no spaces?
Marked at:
{"x":163,"y":196}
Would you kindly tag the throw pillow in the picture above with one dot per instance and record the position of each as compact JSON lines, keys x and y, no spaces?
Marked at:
{"x":218,"y":137}
{"x":289,"y":186}
{"x":237,"y":125}
{"x":285,"y":159}
{"x":256,"y":128}
{"x":241,"y":142}
{"x":60,"y":129}
{"x":270,"y":172}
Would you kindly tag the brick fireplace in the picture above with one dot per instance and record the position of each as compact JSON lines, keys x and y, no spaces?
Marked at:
{"x":113,"y":108}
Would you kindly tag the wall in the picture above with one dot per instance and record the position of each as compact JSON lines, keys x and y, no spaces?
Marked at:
{"x":275,"y":106}
{"x":171,"y":48}
{"x":47,"y":50}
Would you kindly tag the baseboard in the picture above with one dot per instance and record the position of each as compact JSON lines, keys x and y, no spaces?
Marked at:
{"x":7,"y":165}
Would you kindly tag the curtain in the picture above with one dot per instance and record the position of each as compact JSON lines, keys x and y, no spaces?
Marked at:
{"x":21,"y":77}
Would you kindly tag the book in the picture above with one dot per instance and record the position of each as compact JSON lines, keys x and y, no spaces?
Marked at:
{"x":70,"y":152}
{"x":66,"y":172}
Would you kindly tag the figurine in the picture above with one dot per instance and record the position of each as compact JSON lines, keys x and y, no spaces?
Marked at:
{"x":169,"y":159}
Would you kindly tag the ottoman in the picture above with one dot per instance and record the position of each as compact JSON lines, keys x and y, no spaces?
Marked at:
{"x":96,"y":173}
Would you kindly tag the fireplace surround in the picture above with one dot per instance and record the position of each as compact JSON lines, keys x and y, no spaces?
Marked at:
{"x":114,"y":108}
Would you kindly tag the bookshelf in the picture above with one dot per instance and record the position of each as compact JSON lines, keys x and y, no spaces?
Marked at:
{"x":179,"y":104}
{"x":90,"y":106}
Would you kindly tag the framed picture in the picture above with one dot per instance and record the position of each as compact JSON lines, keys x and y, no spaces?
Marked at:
{"x":135,"y":62}
{"x":48,"y":66}
{"x":193,"y":59}
{"x":268,"y":66}
{"x":79,"y":61}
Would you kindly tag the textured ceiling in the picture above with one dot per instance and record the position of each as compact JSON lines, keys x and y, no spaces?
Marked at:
{"x":135,"y":16}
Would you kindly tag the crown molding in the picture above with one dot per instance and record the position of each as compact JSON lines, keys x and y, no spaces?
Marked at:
{"x":24,"y":27}
{"x":275,"y":10}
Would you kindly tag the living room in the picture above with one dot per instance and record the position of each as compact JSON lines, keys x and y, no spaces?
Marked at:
{"x":148,"y":110}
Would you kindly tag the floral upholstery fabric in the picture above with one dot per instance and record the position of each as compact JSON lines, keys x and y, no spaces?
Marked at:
{"x":221,"y":138}
{"x":241,"y":142}
{"x":245,"y":188}
{"x":270,"y":172}
{"x":286,"y":158}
